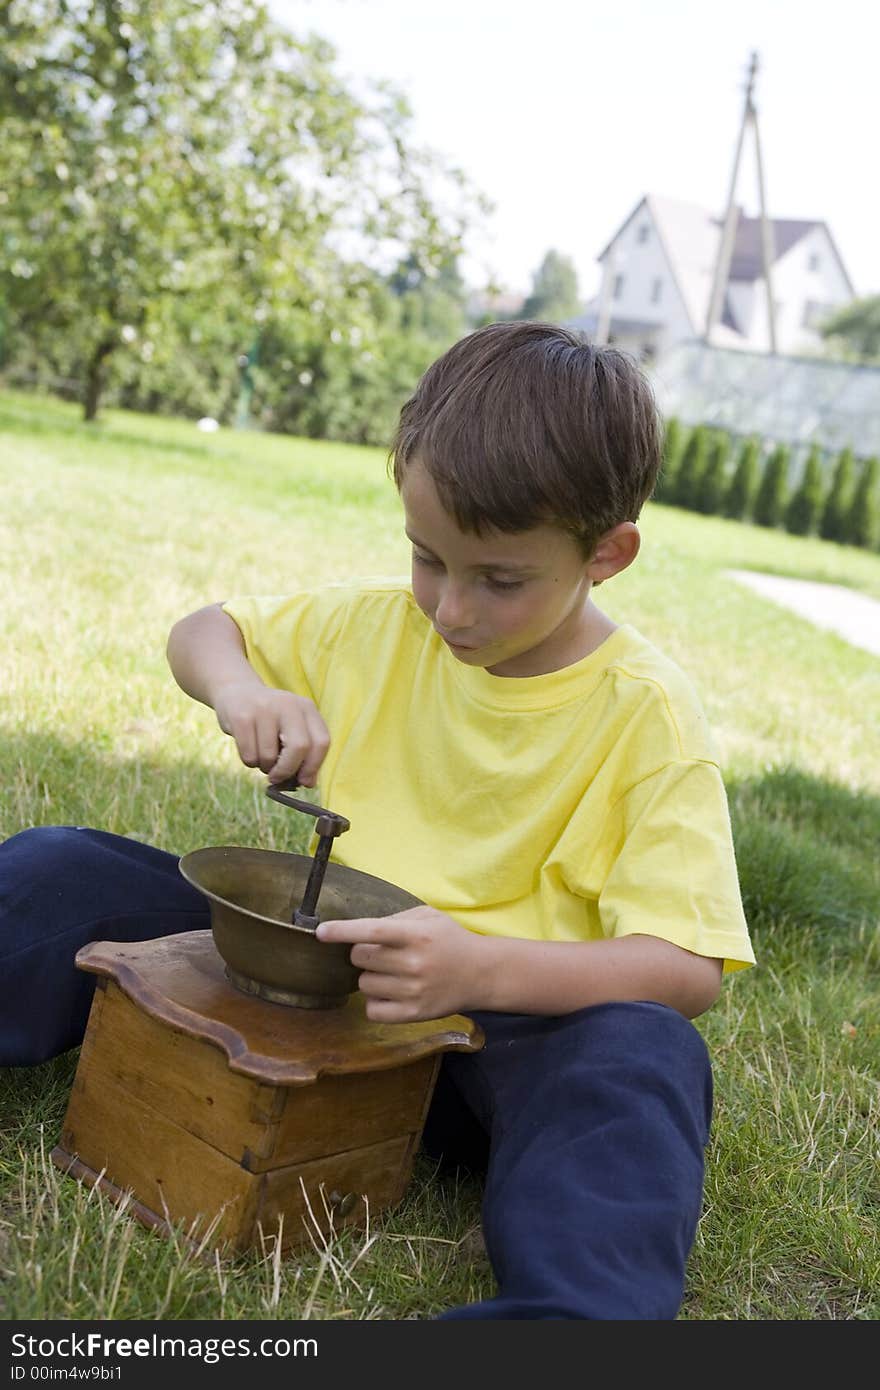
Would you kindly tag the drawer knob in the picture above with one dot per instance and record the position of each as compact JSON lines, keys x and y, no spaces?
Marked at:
{"x":341,"y":1203}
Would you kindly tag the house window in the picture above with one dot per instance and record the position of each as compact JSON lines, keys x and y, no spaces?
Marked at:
{"x":642,"y":234}
{"x":815,"y":261}
{"x":656,"y":290}
{"x":617,"y":289}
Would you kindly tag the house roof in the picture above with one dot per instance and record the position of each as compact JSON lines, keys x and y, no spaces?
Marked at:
{"x":747,"y":262}
{"x":690,"y":236}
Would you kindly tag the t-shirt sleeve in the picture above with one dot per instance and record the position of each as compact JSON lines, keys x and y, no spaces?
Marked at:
{"x":675,"y":873}
{"x":289,"y":640}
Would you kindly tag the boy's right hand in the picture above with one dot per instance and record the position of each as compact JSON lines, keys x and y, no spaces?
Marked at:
{"x":280,"y":733}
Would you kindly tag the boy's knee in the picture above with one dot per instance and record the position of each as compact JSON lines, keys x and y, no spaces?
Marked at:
{"x":641,"y":1021}
{"x":34,"y":860}
{"x":43,"y":842}
{"x":653,"y":1048}
{"x":639,"y":1046}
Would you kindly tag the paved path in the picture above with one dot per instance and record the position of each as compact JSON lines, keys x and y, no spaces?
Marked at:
{"x":852,"y":615}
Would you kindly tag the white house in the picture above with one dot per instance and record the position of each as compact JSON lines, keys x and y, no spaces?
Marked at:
{"x":658,"y":271}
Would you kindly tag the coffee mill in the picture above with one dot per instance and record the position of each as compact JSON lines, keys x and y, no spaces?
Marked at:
{"x":230,"y":1079}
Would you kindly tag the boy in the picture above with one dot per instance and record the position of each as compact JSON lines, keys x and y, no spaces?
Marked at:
{"x":539,"y":776}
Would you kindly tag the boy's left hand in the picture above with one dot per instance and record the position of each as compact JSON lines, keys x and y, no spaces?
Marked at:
{"x":417,"y":964}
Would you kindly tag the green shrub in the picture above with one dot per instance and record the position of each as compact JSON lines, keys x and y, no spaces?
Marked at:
{"x":805,"y":507}
{"x":832,"y":523}
{"x":862,"y":520}
{"x":769,"y":506}
{"x":738,"y":497}
{"x":710,"y":486}
{"x":693,"y":462}
{"x":674,"y":437}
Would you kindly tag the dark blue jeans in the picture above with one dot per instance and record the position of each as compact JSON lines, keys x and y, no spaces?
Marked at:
{"x":589,"y":1128}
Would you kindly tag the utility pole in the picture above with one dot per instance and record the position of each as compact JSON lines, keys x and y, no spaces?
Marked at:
{"x":731,"y":217}
{"x":767,"y":249}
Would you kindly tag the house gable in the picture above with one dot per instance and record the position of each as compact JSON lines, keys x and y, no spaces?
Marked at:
{"x":652,"y":291}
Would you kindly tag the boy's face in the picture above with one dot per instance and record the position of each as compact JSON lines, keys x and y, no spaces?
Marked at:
{"x":514,"y":603}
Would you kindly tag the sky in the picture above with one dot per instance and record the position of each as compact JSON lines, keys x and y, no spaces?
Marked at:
{"x":566,"y":112}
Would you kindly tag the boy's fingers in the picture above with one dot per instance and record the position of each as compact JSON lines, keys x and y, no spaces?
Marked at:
{"x":268,"y":742}
{"x":359,"y":929}
{"x":315,"y":751}
{"x":367,"y":955}
{"x":283,"y":770}
{"x":390,"y":987}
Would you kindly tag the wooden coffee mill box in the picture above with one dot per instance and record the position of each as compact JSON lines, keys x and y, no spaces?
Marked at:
{"x":229,"y":1080}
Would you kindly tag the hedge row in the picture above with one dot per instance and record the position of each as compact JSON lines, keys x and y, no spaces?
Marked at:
{"x":707,"y":470}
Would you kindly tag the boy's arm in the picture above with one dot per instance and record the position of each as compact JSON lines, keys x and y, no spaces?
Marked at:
{"x":205,"y":652}
{"x":281,"y":733}
{"x":560,"y":976}
{"x":421,"y":964}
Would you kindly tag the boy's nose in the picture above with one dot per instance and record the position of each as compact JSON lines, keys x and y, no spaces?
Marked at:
{"x":453,"y":612}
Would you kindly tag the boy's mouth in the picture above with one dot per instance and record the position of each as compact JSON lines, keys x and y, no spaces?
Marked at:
{"x":456,"y":646}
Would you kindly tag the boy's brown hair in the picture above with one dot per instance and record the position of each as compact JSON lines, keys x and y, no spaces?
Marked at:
{"x":525,"y":423}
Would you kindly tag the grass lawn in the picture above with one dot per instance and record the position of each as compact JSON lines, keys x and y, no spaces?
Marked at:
{"x":110,"y":532}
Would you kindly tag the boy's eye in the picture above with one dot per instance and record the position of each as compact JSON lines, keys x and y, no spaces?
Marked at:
{"x":505,"y":585}
{"x":499,"y":585}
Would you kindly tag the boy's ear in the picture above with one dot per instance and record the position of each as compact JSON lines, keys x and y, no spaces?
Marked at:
{"x":614,"y":551}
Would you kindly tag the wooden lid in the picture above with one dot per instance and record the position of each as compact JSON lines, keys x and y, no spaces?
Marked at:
{"x":180,"y":980}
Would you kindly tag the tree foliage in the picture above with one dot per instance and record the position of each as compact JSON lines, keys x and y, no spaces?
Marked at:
{"x":673,"y":445}
{"x":693,"y":461}
{"x":862,"y":519}
{"x":351,"y":384}
{"x":739,"y":495}
{"x":832,"y":522}
{"x":555,"y":295}
{"x":770,"y":499}
{"x":805,"y":504}
{"x":710,"y":484}
{"x":857,"y":328}
{"x":185,"y":174}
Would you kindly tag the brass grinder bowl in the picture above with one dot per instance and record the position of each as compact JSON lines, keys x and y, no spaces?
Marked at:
{"x":252,"y":894}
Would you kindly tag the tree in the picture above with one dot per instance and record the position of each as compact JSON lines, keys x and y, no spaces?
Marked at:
{"x":345,"y":378}
{"x":862,"y":520}
{"x":738,"y":499}
{"x":710,"y":485}
{"x":673,"y":445}
{"x":555,"y":295}
{"x":805,"y":505}
{"x":770,"y":498}
{"x":832,"y":523}
{"x":351,"y":382}
{"x":164,"y":152}
{"x":693,"y":461}
{"x":856,"y":327}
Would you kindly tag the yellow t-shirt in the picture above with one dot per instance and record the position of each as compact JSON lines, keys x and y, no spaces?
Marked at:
{"x":573,"y":806}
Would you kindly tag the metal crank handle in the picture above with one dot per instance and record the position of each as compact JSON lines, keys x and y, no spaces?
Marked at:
{"x":328,"y":822}
{"x":328,"y":825}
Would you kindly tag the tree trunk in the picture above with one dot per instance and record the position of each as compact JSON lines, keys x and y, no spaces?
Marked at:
{"x":95,"y":378}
